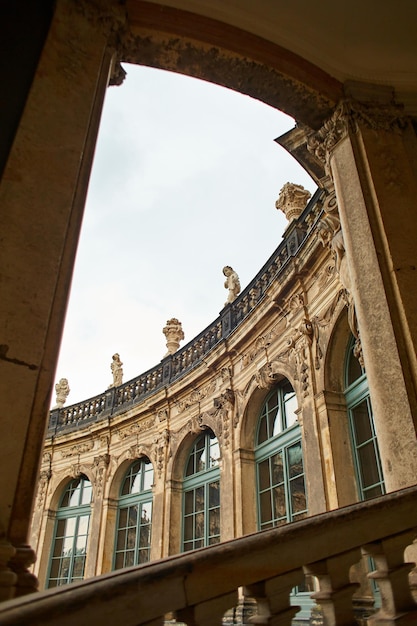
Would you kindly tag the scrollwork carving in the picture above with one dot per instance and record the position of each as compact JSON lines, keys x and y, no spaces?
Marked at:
{"x":77,"y":449}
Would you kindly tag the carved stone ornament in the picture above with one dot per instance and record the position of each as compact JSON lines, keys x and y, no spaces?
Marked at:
{"x":117,"y":371}
{"x":174,"y":334}
{"x":348,"y":116}
{"x":292,"y":200}
{"x":231,"y":283}
{"x":77,"y":449}
{"x":161,"y":450}
{"x":265,"y":378}
{"x":135,"y":429}
{"x":220,"y":417}
{"x":100,"y":465}
{"x":62,"y":391}
{"x":196,"y":396}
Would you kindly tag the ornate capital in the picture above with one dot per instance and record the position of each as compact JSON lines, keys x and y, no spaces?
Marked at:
{"x":349,"y":116}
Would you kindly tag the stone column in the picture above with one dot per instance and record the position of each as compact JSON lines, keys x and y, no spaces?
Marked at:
{"x":42,"y":196}
{"x":370,"y":152}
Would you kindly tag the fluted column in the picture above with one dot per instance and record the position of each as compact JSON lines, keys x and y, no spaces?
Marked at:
{"x":369,"y":152}
{"x":42,"y":196}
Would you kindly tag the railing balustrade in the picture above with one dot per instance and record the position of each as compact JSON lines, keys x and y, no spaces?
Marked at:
{"x":199,"y":587}
{"x":179,"y":364}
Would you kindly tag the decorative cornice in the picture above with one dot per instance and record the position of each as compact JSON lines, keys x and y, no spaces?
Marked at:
{"x":348,"y":116}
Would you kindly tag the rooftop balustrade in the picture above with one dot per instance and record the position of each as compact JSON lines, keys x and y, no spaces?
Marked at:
{"x":173,"y":367}
{"x":198,"y":587}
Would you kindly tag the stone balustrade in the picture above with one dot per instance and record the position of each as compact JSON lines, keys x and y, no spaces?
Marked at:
{"x":175,"y":366}
{"x":200,"y":586}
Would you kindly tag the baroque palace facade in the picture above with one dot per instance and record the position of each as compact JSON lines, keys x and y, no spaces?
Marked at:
{"x":264,"y":418}
{"x":299,"y":404}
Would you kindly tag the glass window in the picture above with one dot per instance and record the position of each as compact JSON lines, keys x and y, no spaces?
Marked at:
{"x":69,"y":548}
{"x":279,"y":460}
{"x":369,"y":476}
{"x":201,"y":494}
{"x":134,"y":518}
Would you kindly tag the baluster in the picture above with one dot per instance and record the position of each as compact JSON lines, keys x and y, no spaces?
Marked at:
{"x":391,"y":575}
{"x":335,"y":589}
{"x":209,"y":613}
{"x":273,"y":599}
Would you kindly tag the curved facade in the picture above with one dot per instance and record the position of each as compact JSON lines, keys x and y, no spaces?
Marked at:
{"x":247,"y":427}
{"x":353,"y":92}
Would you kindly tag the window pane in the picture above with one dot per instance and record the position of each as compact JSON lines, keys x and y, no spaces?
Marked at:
{"x":264,"y":475}
{"x":78,"y":570}
{"x":214,"y":452}
{"x":265,"y":507}
{"x":368,"y":465}
{"x":199,"y":525}
{"x":362,"y":423}
{"x":123,"y":517}
{"x":280,"y":508}
{"x":121,"y":540}
{"x":262,"y":432}
{"x":199,"y":499}
{"x":148,"y":477}
{"x":277,"y":468}
{"x":75,"y":494}
{"x":298,"y":495}
{"x":295,"y":460}
{"x":188,"y":502}
{"x":355,"y":370}
{"x":70,"y":526}
{"x":291,"y":405}
{"x":188,"y":528}
{"x":214,"y":523}
{"x":275,"y":423}
{"x":87,"y":492}
{"x":83,"y":524}
{"x":214,"y":495}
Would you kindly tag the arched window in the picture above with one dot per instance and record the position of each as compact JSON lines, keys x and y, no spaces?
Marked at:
{"x":201,"y":498}
{"x":134,"y":516}
{"x":369,"y":476}
{"x":71,"y":534}
{"x":279,"y":460}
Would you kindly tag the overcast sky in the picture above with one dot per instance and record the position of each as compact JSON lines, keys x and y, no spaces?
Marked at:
{"x":184,"y":182}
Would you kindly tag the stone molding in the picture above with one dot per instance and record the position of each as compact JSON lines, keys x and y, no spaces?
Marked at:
{"x":348,"y":116}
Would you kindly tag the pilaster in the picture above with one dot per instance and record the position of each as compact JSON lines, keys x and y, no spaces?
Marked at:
{"x":367,"y":151}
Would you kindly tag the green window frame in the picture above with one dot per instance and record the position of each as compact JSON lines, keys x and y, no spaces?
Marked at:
{"x":134,"y":516}
{"x":366,"y":457}
{"x":201,"y":494}
{"x":69,"y":547}
{"x":280,"y":476}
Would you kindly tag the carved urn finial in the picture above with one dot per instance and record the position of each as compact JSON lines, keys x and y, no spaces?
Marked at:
{"x":292,"y":200}
{"x":174,"y":334}
{"x":62,"y":391}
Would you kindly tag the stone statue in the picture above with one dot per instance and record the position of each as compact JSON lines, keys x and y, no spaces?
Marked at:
{"x":231,"y":283}
{"x":292,"y":200}
{"x":174,"y":334}
{"x":62,"y":391}
{"x":117,"y":370}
